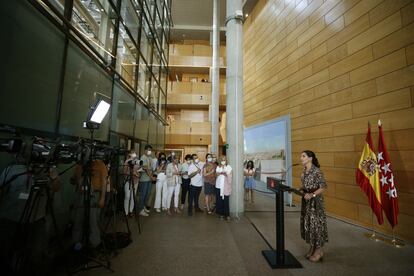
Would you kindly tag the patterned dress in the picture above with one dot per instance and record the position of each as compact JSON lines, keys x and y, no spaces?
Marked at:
{"x":313,"y":227}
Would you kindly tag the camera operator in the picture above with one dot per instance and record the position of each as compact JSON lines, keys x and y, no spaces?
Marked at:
{"x":132,"y":163}
{"x":99,"y":179}
{"x":24,"y":236}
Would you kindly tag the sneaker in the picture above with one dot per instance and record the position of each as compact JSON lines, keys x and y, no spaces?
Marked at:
{"x":158,"y":210}
{"x":143,"y":213}
{"x":182,"y":206}
{"x":146,"y":210}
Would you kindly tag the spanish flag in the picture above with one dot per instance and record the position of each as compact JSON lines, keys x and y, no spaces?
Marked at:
{"x":367,"y":176}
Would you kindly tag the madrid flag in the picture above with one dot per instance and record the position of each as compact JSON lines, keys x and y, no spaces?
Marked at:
{"x":389,"y":199}
{"x":367,"y":176}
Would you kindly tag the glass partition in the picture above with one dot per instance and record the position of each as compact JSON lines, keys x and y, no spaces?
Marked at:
{"x":123,"y":111}
{"x":85,"y":84}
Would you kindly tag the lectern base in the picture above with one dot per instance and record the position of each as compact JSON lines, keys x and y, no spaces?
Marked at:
{"x":289,"y":262}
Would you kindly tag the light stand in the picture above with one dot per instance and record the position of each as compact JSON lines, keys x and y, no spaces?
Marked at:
{"x":95,"y":117}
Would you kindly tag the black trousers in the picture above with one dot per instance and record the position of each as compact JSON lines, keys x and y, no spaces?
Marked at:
{"x":193,"y":197}
{"x":184,"y":190}
{"x":222,"y":205}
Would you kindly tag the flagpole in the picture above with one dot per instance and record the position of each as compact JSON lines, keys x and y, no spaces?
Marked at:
{"x":373,"y":235}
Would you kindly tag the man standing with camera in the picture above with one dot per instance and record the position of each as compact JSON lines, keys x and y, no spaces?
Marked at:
{"x":145,"y":180}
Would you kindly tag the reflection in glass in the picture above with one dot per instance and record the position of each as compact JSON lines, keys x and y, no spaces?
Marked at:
{"x":129,"y":14}
{"x":161,"y":106}
{"x":126,"y":61}
{"x":156,"y":63}
{"x":95,"y":19}
{"x":141,"y":122}
{"x":152,"y":130}
{"x":146,"y":42}
{"x":123,"y":111}
{"x":161,"y":136}
{"x":154,"y":95}
{"x":144,"y":78}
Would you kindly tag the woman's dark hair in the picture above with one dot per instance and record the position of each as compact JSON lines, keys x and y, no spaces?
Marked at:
{"x":250,"y":165}
{"x":160,"y":154}
{"x":208,"y":154}
{"x":310,"y":153}
{"x":188,"y":157}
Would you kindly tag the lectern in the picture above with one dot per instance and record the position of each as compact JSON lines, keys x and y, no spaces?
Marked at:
{"x":280,"y":258}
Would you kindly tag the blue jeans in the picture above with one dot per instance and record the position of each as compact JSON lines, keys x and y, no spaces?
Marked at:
{"x":144,"y":189}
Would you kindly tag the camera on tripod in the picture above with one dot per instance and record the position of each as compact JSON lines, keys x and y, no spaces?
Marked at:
{"x":54,"y":154}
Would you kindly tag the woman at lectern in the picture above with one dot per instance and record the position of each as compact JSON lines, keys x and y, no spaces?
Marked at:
{"x":313,"y":227}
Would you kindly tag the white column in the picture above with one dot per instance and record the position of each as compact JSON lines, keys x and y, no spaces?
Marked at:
{"x":234,"y":105}
{"x":215,"y":79}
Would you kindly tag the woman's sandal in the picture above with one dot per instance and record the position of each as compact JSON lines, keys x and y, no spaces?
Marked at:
{"x":316,"y":258}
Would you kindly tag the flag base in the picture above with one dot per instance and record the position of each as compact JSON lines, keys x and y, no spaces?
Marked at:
{"x":395,"y":243}
{"x":373,"y":236}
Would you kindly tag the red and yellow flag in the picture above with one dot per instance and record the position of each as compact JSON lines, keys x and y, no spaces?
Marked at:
{"x":367,"y":176}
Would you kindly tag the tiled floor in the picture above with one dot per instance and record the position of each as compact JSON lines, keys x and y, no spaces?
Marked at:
{"x":205,"y":245}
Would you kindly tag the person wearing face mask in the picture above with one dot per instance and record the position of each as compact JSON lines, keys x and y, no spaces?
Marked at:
{"x":209,"y":175}
{"x":223,"y":189}
{"x":173,"y":183}
{"x":130,"y":190}
{"x":144,"y":186}
{"x":185,"y":186}
{"x":161,"y":189}
{"x":195,"y":173}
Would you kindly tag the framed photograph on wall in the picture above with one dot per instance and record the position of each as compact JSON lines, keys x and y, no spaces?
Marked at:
{"x":179,"y":153}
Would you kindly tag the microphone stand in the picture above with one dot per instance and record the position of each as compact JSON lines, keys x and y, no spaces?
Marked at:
{"x":290,"y":204}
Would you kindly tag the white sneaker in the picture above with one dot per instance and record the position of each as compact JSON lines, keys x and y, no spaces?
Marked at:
{"x":146,"y":210}
{"x":143,"y":213}
{"x":158,"y":210}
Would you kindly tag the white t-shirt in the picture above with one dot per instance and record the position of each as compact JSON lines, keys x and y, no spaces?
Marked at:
{"x":221,"y":178}
{"x":197,"y":180}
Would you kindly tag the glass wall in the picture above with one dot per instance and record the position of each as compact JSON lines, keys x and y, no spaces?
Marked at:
{"x":29,"y":88}
{"x":113,"y":52}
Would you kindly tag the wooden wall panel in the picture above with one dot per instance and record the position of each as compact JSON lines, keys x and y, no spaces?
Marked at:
{"x":334,"y":66}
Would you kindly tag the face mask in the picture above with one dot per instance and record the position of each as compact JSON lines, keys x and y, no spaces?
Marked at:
{"x":223,"y":162}
{"x":197,"y":160}
{"x":133,"y":155}
{"x":209,"y":159}
{"x":189,"y":162}
{"x":149,"y":152}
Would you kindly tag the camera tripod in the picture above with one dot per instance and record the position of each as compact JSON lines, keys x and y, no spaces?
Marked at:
{"x":113,"y":219}
{"x":30,"y":222}
{"x":87,"y":195}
